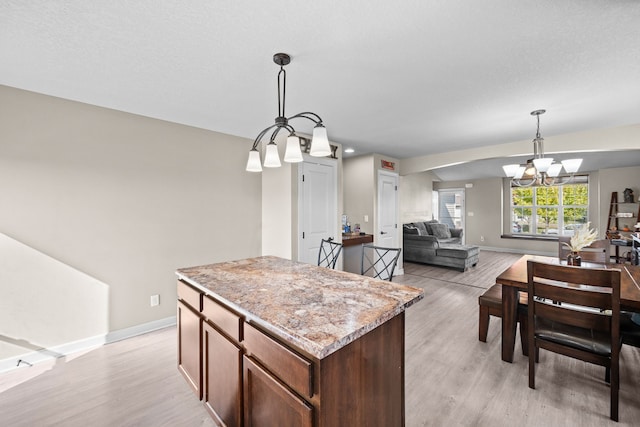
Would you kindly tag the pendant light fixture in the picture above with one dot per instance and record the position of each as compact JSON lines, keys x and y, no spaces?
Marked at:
{"x":319,"y":143}
{"x":541,"y":170}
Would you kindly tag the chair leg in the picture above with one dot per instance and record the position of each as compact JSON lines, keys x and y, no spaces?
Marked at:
{"x":532,"y":370}
{"x":483,"y":323}
{"x":615,"y":389}
{"x":524,"y":340}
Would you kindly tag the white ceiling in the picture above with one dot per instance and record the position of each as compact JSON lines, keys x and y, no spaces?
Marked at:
{"x":402,"y":79}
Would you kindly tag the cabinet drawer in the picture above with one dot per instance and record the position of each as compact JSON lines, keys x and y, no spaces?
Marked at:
{"x":227,"y":321}
{"x":291,"y":368}
{"x":190,"y":295}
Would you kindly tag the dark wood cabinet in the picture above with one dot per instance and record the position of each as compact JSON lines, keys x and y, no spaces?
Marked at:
{"x":248,"y":376}
{"x":221,"y":379}
{"x":189,"y":354}
{"x":268,"y":402}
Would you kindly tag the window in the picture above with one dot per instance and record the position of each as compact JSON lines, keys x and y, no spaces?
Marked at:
{"x":554,"y":210}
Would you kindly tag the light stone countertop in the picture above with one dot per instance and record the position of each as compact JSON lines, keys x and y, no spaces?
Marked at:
{"x":313,"y":308}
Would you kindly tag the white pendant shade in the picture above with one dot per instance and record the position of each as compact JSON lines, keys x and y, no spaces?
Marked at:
{"x":519,"y":172}
{"x":271,"y":158}
{"x":554,"y":170}
{"x":293,"y":154}
{"x":542,"y":164}
{"x":253,"y":164}
{"x":510,"y":170}
{"x":320,"y":143}
{"x":571,"y":165}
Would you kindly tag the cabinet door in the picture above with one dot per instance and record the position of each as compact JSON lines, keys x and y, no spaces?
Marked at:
{"x":189,"y":346}
{"x":222,"y":373}
{"x":267,"y":402}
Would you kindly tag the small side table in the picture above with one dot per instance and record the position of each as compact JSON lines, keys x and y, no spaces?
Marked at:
{"x":352,"y":251}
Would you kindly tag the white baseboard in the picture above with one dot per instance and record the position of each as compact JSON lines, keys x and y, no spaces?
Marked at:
{"x":47,"y":354}
{"x":139,"y":329}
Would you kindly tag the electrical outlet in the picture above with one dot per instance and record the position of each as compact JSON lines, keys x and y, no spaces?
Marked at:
{"x":155,"y":300}
{"x":366,"y":218}
{"x":482,"y":238}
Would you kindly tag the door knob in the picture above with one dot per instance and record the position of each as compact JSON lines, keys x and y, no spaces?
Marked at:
{"x":383,"y":232}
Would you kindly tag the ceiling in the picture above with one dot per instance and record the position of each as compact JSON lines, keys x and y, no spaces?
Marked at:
{"x":402,"y":79}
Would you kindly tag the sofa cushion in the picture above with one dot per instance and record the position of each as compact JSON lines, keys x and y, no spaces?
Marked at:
{"x":422,"y":230}
{"x":410,"y":229}
{"x":441,"y":231}
{"x":458,"y":251}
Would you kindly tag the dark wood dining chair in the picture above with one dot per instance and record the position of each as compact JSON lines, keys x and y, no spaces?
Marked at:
{"x":597,"y":252}
{"x":586,"y":323}
{"x":490,"y":304}
{"x":379,"y":262}
{"x":328,"y":253}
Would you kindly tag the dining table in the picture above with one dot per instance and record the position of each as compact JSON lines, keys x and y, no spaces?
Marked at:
{"x":515,"y":280}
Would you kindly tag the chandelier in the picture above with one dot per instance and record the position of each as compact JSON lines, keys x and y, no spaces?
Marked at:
{"x":319,"y":143}
{"x":541,"y":170}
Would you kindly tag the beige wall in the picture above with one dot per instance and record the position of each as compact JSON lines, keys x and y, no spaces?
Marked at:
{"x":359,"y":191}
{"x":416,"y":197}
{"x":122,"y":199}
{"x":278,"y":204}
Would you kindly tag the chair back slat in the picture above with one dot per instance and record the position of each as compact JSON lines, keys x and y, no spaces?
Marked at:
{"x":599,"y":297}
{"x":574,"y":316}
{"x":379,"y":262}
{"x":328,"y":253}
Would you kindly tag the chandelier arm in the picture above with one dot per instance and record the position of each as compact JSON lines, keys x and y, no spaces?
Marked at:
{"x":290,"y":128}
{"x":275,"y":133}
{"x":314,"y":117}
{"x":518,"y":183}
{"x":260,"y":135}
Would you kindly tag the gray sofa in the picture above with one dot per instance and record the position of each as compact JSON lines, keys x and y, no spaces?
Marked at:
{"x":438,"y":231}
{"x":431,"y":242}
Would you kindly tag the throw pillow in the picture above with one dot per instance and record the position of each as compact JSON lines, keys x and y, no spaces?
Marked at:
{"x":410,"y":229}
{"x":441,"y":231}
{"x":422,"y":230}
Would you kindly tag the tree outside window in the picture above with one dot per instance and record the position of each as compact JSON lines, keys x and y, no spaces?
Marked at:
{"x":549,"y":210}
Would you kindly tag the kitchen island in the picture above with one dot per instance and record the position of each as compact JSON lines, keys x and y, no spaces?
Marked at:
{"x":268,"y":341}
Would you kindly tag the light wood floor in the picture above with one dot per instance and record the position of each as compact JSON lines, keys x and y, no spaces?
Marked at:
{"x":452,"y":379}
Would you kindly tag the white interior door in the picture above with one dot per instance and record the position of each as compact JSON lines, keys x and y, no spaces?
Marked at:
{"x":318,"y":207}
{"x":387,"y":233}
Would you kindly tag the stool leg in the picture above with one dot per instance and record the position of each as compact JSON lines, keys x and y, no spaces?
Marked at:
{"x":483,"y":323}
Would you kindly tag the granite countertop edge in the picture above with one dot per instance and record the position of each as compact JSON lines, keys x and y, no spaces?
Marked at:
{"x":299,"y":342}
